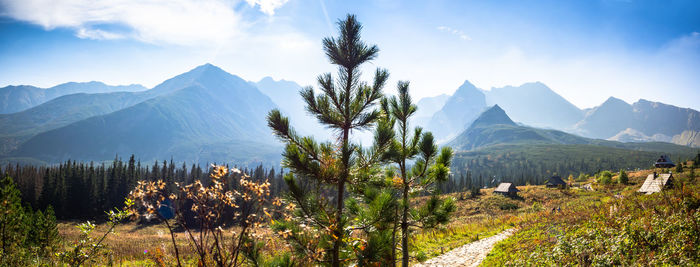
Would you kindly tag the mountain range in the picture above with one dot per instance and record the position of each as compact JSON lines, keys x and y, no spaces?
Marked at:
{"x":210,"y":115}
{"x":494,"y":127}
{"x":204,"y":115}
{"x":536,"y":105}
{"x":18,"y":98}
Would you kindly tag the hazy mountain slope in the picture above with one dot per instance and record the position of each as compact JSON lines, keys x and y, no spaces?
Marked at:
{"x":459,"y":110}
{"x":218,"y":114}
{"x":632,"y":135}
{"x":286,"y":95}
{"x":642,"y":121}
{"x":495,"y":128}
{"x":687,"y":138}
{"x":535,"y":104}
{"x":427,"y":106}
{"x":608,"y":119}
{"x":659,"y":118}
{"x":64,"y":110}
{"x":531,"y":103}
{"x":18,"y":127}
{"x":18,"y":98}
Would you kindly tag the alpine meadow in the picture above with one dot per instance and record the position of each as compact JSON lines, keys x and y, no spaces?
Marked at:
{"x":360,"y":133}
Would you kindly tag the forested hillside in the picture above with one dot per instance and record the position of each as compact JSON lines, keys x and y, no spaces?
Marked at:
{"x":535,"y":164}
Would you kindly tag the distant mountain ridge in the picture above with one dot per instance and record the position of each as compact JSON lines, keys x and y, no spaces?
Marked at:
{"x":642,"y":121}
{"x":286,"y":95}
{"x":535,"y":104}
{"x":531,"y":103}
{"x":67,"y":109}
{"x":495,"y":128}
{"x":206,"y":115}
{"x":203,"y":115}
{"x":606,"y":120}
{"x":458,"y":112}
{"x":427,"y":106}
{"x":18,"y":98}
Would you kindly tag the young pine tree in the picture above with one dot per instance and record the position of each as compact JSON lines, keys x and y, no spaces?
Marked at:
{"x":623,"y":178}
{"x":343,"y":105}
{"x":428,"y":168}
{"x":13,"y":223}
{"x":691,"y":175}
{"x":679,"y":167}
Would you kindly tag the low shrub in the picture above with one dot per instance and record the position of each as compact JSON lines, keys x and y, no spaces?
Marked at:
{"x":493,"y":202}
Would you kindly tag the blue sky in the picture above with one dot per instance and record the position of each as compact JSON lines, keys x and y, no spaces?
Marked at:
{"x":586,"y":51}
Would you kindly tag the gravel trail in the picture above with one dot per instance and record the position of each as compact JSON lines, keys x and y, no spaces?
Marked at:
{"x":468,"y":255}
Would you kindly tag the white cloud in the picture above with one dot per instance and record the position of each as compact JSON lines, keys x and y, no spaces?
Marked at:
{"x":181,"y":22}
{"x":97,"y":34}
{"x":267,"y":6}
{"x":456,"y":32}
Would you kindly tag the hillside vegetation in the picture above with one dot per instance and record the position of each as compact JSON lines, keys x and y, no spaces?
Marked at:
{"x":612,"y":226}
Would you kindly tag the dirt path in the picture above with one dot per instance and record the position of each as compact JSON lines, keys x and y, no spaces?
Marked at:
{"x":468,"y":255}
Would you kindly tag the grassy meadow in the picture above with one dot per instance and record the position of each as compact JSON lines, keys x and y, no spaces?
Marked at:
{"x":538,"y":241}
{"x":612,"y":226}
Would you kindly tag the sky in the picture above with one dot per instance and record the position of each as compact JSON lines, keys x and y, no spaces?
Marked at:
{"x":584,"y":50}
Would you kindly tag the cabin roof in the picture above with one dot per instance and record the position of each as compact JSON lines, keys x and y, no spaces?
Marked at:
{"x":664,"y":160}
{"x":655,"y":183}
{"x":555,"y":180}
{"x":506,"y":187}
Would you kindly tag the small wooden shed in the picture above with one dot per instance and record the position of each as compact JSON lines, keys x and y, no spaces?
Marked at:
{"x":555,"y":181}
{"x":656,"y":182}
{"x":507,"y":189}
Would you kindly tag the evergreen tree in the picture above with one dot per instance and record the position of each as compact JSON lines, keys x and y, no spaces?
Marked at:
{"x":343,"y":105}
{"x":623,"y":178}
{"x":429,"y":167}
{"x":691,"y":175}
{"x":44,"y":232}
{"x":13,"y":223}
{"x":679,"y":167}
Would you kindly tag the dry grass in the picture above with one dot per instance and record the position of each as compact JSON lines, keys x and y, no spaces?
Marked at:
{"x":474,"y":218}
{"x":132,"y":244}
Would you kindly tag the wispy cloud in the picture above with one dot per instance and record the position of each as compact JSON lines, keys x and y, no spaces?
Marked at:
{"x":97,"y":34}
{"x":181,"y":22}
{"x":456,"y":32}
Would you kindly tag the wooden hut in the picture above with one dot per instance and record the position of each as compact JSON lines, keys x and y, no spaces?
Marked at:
{"x":664,"y":162}
{"x":555,"y":181}
{"x":507,"y":189}
{"x":656,"y":182}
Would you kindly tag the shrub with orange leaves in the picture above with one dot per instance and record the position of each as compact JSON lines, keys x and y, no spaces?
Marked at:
{"x":211,"y":206}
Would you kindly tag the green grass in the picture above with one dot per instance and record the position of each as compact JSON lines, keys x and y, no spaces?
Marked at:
{"x":601,"y":229}
{"x":433,"y":243}
{"x":484,"y":216}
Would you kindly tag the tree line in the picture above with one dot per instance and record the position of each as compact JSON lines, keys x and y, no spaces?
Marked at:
{"x":536,"y":164}
{"x":80,"y":190}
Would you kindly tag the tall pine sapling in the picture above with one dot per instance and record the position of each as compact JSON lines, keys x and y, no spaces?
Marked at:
{"x":343,"y":105}
{"x":429,"y":168}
